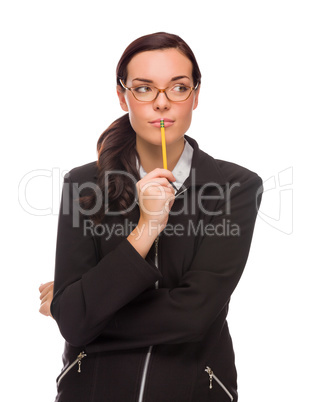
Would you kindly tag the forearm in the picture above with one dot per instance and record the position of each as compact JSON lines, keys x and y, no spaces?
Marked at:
{"x":171,"y":316}
{"x":84,"y":307}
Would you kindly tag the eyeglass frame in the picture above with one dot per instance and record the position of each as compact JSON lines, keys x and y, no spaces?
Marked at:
{"x":159,"y":91}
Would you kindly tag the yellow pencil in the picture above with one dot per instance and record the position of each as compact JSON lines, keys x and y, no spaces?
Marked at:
{"x":163,"y":143}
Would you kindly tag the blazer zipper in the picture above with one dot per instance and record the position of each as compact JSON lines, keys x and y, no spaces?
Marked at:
{"x":77,"y":360}
{"x":149,"y":352}
{"x":213,"y":376}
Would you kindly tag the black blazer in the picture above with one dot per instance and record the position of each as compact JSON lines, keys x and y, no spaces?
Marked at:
{"x":127,"y":340}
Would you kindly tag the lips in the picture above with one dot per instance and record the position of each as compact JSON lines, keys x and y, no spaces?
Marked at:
{"x":167,"y":122}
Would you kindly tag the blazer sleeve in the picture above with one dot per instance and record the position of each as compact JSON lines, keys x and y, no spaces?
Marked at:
{"x":87,"y":293}
{"x":185,"y":313}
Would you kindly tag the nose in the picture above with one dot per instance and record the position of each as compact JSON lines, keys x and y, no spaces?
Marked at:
{"x":161,"y":102}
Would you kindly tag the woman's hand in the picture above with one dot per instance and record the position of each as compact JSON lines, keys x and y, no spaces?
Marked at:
{"x":156,"y":197}
{"x":46,"y":297}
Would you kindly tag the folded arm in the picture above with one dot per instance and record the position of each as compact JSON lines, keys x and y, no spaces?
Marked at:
{"x":110,"y":305}
{"x":185,"y":313}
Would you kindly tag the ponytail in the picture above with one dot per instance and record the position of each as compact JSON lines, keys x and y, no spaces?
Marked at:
{"x":116,"y":149}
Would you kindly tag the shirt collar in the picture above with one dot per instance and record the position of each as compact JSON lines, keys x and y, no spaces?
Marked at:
{"x":181,"y":170}
{"x":205,"y":168}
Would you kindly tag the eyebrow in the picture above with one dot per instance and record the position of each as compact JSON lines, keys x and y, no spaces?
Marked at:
{"x":177,"y":78}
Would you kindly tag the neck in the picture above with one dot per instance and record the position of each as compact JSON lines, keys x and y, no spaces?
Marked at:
{"x":151,"y":155}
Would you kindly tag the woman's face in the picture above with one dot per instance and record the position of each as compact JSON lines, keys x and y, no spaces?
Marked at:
{"x":159,"y":68}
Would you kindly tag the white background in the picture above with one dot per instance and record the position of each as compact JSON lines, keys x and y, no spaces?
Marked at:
{"x":58,"y":94}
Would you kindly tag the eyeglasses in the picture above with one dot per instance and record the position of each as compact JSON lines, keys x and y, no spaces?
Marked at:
{"x":148,"y":93}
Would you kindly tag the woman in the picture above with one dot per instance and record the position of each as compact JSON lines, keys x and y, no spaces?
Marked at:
{"x":147,"y":258}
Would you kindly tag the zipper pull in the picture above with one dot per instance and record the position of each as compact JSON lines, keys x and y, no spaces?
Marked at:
{"x":80,"y":357}
{"x":210,"y":372}
{"x":156,"y":246}
{"x":156,"y":257}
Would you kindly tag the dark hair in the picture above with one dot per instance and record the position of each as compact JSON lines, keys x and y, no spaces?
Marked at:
{"x":116,"y":146}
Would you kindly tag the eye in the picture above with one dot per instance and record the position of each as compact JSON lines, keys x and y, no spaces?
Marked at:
{"x":180,"y":88}
{"x":143,"y":89}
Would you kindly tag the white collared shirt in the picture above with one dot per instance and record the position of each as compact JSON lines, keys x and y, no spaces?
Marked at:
{"x":182,"y":169}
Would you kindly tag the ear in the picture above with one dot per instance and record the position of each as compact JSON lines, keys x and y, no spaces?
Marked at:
{"x":121,"y":96}
{"x":196,"y":97}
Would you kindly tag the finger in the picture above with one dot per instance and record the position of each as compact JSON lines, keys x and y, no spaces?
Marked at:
{"x":44,"y":309}
{"x":167,"y":190}
{"x":44,"y":285}
{"x":47,"y":290}
{"x":158,"y":172}
{"x":158,"y":182}
{"x":157,"y":193}
{"x":170,"y":190}
{"x":45,"y":298}
{"x":155,"y":180}
{"x":169,"y":202}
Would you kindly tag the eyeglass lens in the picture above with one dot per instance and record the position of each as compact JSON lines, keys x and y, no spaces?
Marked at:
{"x":148,"y":93}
